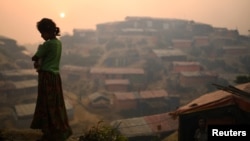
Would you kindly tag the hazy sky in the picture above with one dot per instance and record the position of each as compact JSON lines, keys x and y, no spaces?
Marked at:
{"x":19,"y":17}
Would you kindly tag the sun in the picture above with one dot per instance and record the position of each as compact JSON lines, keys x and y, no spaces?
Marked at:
{"x":62,"y":14}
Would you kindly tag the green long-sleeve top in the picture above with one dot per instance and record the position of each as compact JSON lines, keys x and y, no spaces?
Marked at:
{"x":50,"y":54}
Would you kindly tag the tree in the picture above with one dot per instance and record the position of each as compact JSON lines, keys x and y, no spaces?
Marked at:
{"x":242,"y":79}
{"x":153,"y":68}
{"x":245,"y":60}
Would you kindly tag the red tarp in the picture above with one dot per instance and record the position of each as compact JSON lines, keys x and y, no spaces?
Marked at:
{"x":216,"y":99}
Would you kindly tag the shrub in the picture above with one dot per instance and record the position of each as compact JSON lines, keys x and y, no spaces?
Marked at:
{"x":102,"y":132}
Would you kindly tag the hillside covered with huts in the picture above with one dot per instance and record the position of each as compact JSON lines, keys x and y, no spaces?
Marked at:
{"x":135,"y":73}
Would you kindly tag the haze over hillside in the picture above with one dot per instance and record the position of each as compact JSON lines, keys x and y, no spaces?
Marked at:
{"x":20,"y":18}
{"x":135,"y":69}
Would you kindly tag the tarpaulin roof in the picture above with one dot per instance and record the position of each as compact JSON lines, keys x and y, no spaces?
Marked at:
{"x":146,"y":125}
{"x":114,"y":70}
{"x":149,"y":94}
{"x":219,"y":98}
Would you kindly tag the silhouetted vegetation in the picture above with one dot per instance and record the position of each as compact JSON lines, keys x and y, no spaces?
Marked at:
{"x":242,"y":79}
{"x":152,"y":69}
{"x":218,"y":64}
{"x":245,"y":60}
{"x":102,"y":132}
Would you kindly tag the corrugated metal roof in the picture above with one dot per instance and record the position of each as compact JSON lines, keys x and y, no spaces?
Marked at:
{"x":181,"y":41}
{"x":204,"y":100}
{"x":94,"y":96}
{"x":133,"y":127}
{"x":146,"y":94}
{"x":25,"y":84}
{"x":200,"y":37}
{"x":160,"y":93}
{"x":147,"y":125}
{"x":21,"y":72}
{"x":185,"y":63}
{"x":215,"y":99}
{"x":27,"y":110}
{"x":168,"y":52}
{"x":198,"y":73}
{"x":161,"y":123}
{"x":116,"y":71}
{"x":153,"y":94}
{"x":132,"y":30}
{"x":117,"y":81}
{"x":244,"y":87}
{"x":125,"y":95}
{"x":74,"y":68}
{"x":141,"y":95}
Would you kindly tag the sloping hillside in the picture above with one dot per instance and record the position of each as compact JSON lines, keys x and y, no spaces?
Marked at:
{"x":13,"y":56}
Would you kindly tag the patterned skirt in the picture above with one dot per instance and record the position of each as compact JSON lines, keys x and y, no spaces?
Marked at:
{"x":50,"y":113}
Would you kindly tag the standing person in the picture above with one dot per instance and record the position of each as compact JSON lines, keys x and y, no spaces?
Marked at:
{"x":201,"y":131}
{"x":50,"y":113}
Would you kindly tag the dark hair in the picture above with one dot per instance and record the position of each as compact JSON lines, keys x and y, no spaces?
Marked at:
{"x":49,"y":26}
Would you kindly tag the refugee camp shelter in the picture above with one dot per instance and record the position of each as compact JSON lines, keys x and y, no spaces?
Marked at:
{"x":146,"y":128}
{"x":99,"y":100}
{"x":229,"y":105}
{"x":23,"y":113}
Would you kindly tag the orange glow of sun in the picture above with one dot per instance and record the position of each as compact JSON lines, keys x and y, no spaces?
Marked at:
{"x":62,"y":14}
